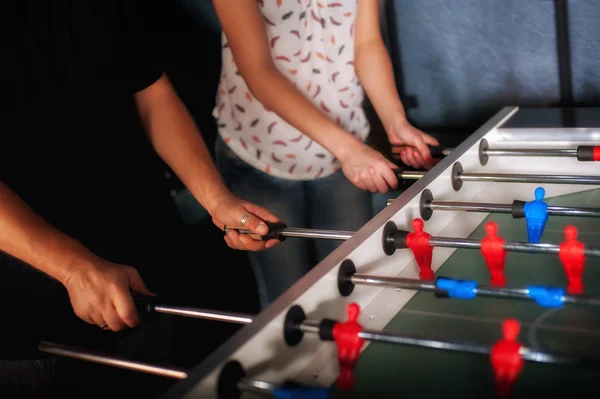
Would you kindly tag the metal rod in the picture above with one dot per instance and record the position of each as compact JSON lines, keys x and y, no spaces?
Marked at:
{"x":239,"y":318}
{"x":89,"y":356}
{"x":469,"y":207}
{"x":521,"y":178}
{"x":514,"y":178}
{"x":394,"y":282}
{"x":479,"y":290}
{"x":412,"y":175}
{"x":340,"y":235}
{"x":531,"y":152}
{"x":245,"y":384}
{"x":314,"y":233}
{"x":254,"y":386}
{"x":514,"y":246}
{"x":456,"y":346}
{"x":507,"y":208}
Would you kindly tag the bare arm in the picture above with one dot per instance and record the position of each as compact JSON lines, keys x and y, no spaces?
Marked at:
{"x":99,"y":290}
{"x":375,"y":72}
{"x":26,"y":236}
{"x":373,"y":64}
{"x":175,"y":137}
{"x":243,"y":25}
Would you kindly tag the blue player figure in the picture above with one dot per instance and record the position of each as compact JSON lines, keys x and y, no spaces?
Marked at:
{"x":536,"y":214}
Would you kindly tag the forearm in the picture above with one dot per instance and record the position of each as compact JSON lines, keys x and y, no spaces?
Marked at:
{"x":278,"y":94}
{"x":26,"y":236}
{"x":176,"y":139}
{"x":376,"y":74}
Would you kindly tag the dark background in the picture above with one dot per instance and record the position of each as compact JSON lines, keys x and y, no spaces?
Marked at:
{"x":457,"y":62}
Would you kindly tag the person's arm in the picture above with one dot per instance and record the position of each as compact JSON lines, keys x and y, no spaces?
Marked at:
{"x":27,"y":237}
{"x":375,"y":72}
{"x":244,"y":28}
{"x":175,"y":137}
{"x":99,"y":290}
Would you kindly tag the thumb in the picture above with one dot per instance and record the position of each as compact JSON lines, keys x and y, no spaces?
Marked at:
{"x":430,"y":140}
{"x":137,"y":284}
{"x":255,"y":224}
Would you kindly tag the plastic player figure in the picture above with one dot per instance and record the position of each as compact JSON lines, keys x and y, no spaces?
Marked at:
{"x":506,"y":359}
{"x":536,"y":215}
{"x":349,"y":346}
{"x":492,"y":248}
{"x":418,"y":242}
{"x":572,"y":256}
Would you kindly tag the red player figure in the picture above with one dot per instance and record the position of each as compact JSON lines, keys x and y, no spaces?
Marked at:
{"x":492,"y":248}
{"x":572,"y":256}
{"x":418,"y":242}
{"x":349,"y":346}
{"x":506,"y":359}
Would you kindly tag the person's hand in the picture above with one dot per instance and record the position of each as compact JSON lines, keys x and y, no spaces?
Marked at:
{"x":368,"y":169}
{"x":231,"y":210}
{"x":100,"y":294}
{"x":416,"y":153}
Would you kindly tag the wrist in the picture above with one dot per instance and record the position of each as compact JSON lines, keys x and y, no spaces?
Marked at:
{"x":395,"y":117}
{"x":340,"y":143}
{"x":77,"y":258}
{"x":211,"y":200}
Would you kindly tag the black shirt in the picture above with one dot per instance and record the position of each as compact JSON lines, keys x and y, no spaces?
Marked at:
{"x":71,"y":142}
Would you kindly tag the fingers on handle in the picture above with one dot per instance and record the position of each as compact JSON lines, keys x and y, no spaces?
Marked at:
{"x":126,"y":310}
{"x":112,"y":318}
{"x":256,"y":224}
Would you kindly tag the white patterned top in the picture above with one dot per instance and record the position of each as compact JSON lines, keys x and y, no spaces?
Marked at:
{"x":312,"y":44}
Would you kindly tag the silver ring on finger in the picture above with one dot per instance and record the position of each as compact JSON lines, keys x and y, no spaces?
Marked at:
{"x":245,"y":218}
{"x":103,"y":326}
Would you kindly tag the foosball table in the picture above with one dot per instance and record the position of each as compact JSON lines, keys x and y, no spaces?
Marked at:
{"x":481,"y":279}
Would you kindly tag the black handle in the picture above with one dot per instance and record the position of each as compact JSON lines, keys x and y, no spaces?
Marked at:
{"x":275,"y":231}
{"x":518,"y":209}
{"x":144,"y":305}
{"x":438,"y":293}
{"x":398,"y":173}
{"x":588,"y":153}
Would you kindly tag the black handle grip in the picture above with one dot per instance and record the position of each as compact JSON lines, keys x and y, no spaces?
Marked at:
{"x":275,"y":231}
{"x":440,"y":293}
{"x":588,"y":153}
{"x":518,"y":209}
{"x":144,"y":305}
{"x":398,"y":173}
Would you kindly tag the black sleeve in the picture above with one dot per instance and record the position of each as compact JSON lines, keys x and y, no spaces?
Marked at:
{"x":142,"y":58}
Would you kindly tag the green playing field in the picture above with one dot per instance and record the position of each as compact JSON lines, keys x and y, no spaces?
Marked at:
{"x":392,"y":371}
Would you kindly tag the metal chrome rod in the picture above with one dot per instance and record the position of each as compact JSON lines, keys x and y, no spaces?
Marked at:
{"x":239,"y":318}
{"x":513,"y":178}
{"x":522,"y":178}
{"x":305,"y":233}
{"x":412,"y":175}
{"x":254,"y":386}
{"x":507,"y":208}
{"x":531,"y":152}
{"x":314,"y":233}
{"x":573,"y":211}
{"x":479,"y":290}
{"x":245,"y":384}
{"x":514,"y":246}
{"x":469,"y":206}
{"x":90,"y":356}
{"x":455,"y":346}
{"x":394,"y":282}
